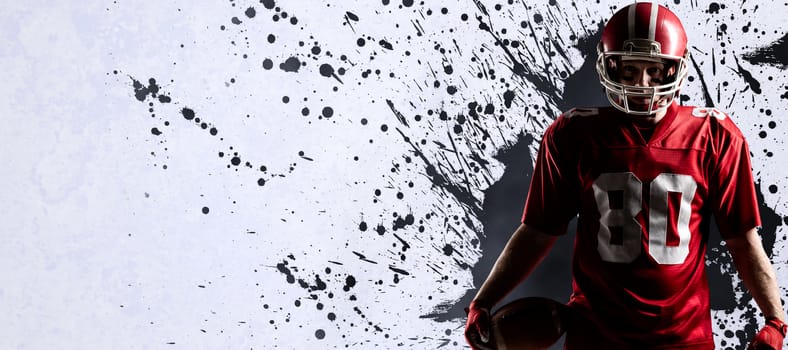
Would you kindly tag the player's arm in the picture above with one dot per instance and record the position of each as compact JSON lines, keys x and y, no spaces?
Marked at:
{"x":549,"y":206}
{"x":758,"y":275}
{"x":527,"y":247}
{"x":735,"y":202}
{"x":756,"y":272}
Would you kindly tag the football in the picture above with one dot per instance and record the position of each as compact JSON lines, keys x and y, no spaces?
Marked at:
{"x":528,"y":324}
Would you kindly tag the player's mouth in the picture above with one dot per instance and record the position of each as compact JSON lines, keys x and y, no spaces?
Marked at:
{"x":639,"y":104}
{"x":642,"y":103}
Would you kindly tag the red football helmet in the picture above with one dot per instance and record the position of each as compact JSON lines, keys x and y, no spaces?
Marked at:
{"x":649,"y":32}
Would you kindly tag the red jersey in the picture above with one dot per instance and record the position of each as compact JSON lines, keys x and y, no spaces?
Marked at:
{"x":644,"y":207}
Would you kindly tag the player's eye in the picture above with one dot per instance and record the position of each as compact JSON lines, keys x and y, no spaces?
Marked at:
{"x":655,"y":74}
{"x":628,"y":73}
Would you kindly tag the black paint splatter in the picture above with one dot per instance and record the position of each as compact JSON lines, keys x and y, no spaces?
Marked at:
{"x":291,"y":64}
{"x":775,"y":54}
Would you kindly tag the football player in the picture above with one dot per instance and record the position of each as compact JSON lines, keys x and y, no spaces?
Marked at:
{"x":644,"y":177}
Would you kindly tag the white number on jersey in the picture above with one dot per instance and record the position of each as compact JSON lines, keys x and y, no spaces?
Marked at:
{"x":623,"y":218}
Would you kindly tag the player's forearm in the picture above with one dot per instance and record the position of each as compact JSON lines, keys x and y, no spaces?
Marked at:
{"x":525,"y":250}
{"x":757,"y":273}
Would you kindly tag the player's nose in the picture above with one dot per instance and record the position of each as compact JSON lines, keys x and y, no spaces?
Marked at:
{"x":643,"y":79}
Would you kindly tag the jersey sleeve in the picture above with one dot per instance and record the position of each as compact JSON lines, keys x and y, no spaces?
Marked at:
{"x":732,"y":188}
{"x":552,"y":196}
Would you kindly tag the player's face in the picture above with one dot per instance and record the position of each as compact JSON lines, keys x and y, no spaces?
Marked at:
{"x":646,"y":74}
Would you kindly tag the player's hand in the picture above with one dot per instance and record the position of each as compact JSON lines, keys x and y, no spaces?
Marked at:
{"x":477,"y":328}
{"x":770,"y":337}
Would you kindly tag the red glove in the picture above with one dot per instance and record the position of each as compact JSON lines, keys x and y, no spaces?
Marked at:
{"x":770,"y":337}
{"x":477,"y":328}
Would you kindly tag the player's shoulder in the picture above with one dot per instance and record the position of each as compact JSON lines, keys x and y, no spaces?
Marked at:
{"x":715,"y":120}
{"x":588,"y":113}
{"x":582,"y":117}
{"x":579,"y":121}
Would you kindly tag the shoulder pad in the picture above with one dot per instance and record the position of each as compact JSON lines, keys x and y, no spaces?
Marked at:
{"x":704,"y":112}
{"x":580,"y":112}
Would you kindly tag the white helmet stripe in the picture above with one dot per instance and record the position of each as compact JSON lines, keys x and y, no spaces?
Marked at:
{"x":631,"y":20}
{"x":652,"y":23}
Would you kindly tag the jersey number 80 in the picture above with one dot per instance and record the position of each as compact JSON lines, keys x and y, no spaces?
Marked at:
{"x":624,"y":218}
